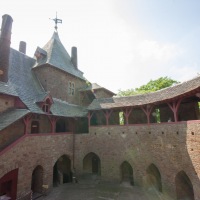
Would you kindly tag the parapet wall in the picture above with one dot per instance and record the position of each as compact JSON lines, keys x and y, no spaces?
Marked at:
{"x":171,"y":147}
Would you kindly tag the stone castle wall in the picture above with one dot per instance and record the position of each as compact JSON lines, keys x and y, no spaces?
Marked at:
{"x":170,"y":147}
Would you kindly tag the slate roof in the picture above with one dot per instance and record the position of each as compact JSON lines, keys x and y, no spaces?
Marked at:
{"x":62,"y":108}
{"x":7,"y":88}
{"x":24,"y":81}
{"x":150,"y":98}
{"x":10,"y":116}
{"x":95,"y":86}
{"x":58,"y":57}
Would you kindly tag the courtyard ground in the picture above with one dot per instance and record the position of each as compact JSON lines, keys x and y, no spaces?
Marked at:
{"x":101,"y":191}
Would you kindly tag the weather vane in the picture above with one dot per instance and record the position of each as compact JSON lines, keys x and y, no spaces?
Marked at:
{"x":57,"y":21}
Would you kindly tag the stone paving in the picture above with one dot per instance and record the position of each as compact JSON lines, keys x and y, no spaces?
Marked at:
{"x":101,"y":191}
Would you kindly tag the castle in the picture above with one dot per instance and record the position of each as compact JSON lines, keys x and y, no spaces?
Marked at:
{"x":53,"y":122}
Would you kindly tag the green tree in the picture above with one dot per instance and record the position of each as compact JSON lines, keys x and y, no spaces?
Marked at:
{"x":151,"y":86}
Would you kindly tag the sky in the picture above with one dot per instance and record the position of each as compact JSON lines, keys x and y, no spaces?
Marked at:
{"x":122,"y":44}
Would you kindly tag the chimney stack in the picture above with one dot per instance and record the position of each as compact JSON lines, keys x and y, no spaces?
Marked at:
{"x":5,"y":40}
{"x":22,"y":47}
{"x":74,"y":57}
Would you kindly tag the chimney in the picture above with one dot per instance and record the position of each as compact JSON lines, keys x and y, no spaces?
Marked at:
{"x":74,"y":57}
{"x":5,"y":40}
{"x":22,"y":47}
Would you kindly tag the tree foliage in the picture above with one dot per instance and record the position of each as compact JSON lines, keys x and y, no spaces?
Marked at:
{"x":151,"y":86}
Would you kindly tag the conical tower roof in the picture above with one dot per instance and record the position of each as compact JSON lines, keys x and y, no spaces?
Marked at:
{"x":55,"y":54}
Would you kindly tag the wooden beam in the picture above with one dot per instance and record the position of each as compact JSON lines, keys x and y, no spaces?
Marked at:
{"x":147,"y":110}
{"x":174,"y":106}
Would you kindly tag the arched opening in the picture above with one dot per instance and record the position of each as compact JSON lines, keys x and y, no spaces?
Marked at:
{"x":60,"y":126}
{"x":126,"y":173}
{"x":35,"y":127}
{"x":92,"y":164}
{"x":8,"y":185}
{"x":153,"y":180}
{"x":184,"y":188}
{"x":62,"y":171}
{"x":37,"y":180}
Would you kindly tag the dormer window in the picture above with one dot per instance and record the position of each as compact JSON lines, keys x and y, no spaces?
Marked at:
{"x":71,"y":88}
{"x":45,"y":105}
{"x":40,"y":53}
{"x":46,"y":108}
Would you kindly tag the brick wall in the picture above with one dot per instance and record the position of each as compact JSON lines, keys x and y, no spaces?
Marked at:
{"x":35,"y":151}
{"x":170,"y":147}
{"x":52,"y":79}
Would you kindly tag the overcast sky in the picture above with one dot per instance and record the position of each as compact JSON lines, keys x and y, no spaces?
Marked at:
{"x":122,"y":44}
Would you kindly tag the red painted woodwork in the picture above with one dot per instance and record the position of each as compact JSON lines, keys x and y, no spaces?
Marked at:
{"x":26,"y":120}
{"x":174,"y":106}
{"x":147,"y":110}
{"x":127,"y":112}
{"x":90,"y":114}
{"x":107,"y":114}
{"x":52,"y":120}
{"x":8,"y":184}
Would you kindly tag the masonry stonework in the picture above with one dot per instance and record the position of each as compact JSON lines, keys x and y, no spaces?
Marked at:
{"x":141,"y":145}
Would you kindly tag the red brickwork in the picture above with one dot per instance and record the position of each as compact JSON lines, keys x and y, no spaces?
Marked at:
{"x":170,"y":147}
{"x":56,"y":82}
{"x":35,"y":151}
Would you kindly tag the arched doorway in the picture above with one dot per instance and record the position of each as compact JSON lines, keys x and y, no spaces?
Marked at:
{"x":154,"y":178}
{"x":126,"y":173}
{"x":184,"y":188}
{"x":60,"y":126}
{"x":92,"y":164}
{"x":62,"y":171}
{"x":37,"y":180}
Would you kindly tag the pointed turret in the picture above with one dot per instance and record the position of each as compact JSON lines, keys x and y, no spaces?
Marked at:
{"x":55,"y":54}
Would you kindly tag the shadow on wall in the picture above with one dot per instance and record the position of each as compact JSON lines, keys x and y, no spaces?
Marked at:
{"x":62,"y":172}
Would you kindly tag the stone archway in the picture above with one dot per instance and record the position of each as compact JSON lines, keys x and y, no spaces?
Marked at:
{"x":62,"y":172}
{"x":184,"y":188}
{"x":92,"y":164}
{"x":37,"y":179}
{"x":153,"y":179}
{"x":126,"y":173}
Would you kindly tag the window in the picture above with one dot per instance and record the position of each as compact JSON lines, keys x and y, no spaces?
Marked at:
{"x":45,"y":108}
{"x":71,"y":88}
{"x":35,"y":127}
